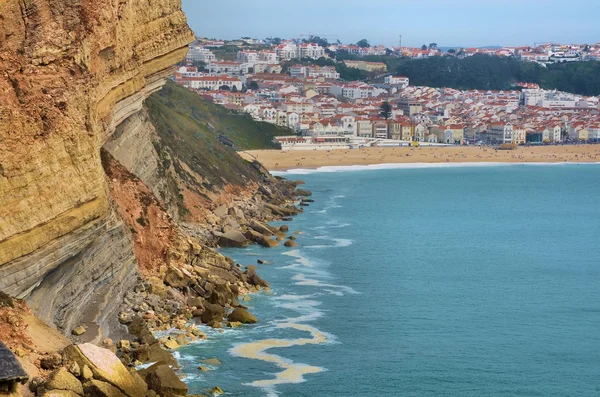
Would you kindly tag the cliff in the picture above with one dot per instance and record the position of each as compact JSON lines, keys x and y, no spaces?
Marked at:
{"x":72,"y":72}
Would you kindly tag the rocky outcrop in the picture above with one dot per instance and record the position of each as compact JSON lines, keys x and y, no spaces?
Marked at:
{"x":73,"y":71}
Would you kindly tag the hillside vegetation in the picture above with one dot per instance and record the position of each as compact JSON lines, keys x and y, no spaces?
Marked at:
{"x":195,"y":116}
{"x":482,"y":72}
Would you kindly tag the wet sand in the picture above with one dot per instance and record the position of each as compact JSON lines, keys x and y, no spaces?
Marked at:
{"x":283,"y":160}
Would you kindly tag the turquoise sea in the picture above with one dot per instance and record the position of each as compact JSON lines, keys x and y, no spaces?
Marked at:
{"x":425,"y":281}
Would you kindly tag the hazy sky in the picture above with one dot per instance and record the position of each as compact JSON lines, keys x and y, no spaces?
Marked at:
{"x":446,"y":22}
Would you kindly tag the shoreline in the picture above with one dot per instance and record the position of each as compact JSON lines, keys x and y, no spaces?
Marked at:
{"x":390,"y":166}
{"x":281,"y":161}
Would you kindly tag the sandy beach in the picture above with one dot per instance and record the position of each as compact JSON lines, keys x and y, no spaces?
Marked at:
{"x":282,"y":160}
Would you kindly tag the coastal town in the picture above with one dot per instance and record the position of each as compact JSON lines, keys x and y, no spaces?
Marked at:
{"x":281,"y":82}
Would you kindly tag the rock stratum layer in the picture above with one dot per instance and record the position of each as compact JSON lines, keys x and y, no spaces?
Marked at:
{"x":71,"y":71}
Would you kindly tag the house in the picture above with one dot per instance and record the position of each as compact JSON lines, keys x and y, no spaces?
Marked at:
{"x":11,"y":372}
{"x":499,"y":133}
{"x":212,"y":83}
{"x":401,"y":81}
{"x":310,"y":50}
{"x":364,"y":127}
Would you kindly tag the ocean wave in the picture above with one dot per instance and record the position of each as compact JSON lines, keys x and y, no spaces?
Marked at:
{"x":388,"y":166}
{"x":301,"y":279}
{"x":338,"y":243}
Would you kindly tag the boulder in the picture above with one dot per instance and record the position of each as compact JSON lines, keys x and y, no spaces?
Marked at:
{"x":157,"y":287}
{"x":253,"y":235}
{"x":254,"y":278}
{"x":222,"y":295}
{"x":80,"y":330}
{"x":181,"y":340}
{"x":215,"y":391}
{"x":282,"y":211}
{"x":6,"y":300}
{"x":261,"y":227}
{"x":242,"y":316}
{"x":195,"y":302}
{"x":86,"y":373}
{"x":212,"y":361}
{"x":290,"y":244}
{"x":284,"y":228}
{"x":171,"y":344}
{"x":62,"y":379}
{"x":267,"y":242}
{"x":302,"y":193}
{"x":107,"y":367}
{"x":292,"y":238}
{"x":163,"y":380}
{"x":212,"y":312}
{"x":234,"y":324}
{"x":96,"y":388}
{"x":51,"y":361}
{"x":176,"y":278}
{"x":220,"y":211}
{"x":238,"y":213}
{"x":203,"y":368}
{"x":233,"y":239}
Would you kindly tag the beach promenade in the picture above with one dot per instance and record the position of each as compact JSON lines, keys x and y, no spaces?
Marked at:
{"x":283,"y":160}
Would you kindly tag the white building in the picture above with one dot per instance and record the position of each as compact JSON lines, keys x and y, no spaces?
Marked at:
{"x":200,"y":54}
{"x":227,"y":67}
{"x":500,"y":133}
{"x":247,"y":57}
{"x":310,"y":50}
{"x":211,"y":82}
{"x":286,"y":51}
{"x":355,"y":90}
{"x":401,"y":81}
{"x":267,"y":56}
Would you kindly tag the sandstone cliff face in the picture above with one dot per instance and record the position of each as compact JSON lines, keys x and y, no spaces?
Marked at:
{"x":70,"y":72}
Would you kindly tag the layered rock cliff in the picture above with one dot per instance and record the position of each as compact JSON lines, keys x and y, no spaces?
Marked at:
{"x":71,"y":71}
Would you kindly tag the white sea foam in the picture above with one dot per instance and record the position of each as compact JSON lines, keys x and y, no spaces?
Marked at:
{"x":301,"y":279}
{"x":388,"y":166}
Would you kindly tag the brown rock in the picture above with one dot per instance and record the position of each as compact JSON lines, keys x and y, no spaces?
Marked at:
{"x":302,"y":193}
{"x":268,"y":242}
{"x":290,"y":244}
{"x":233,"y":239}
{"x":242,"y":316}
{"x":61,"y":379}
{"x":261,"y":227}
{"x":162,"y":379}
{"x":212,"y":312}
{"x":51,"y":361}
{"x":254,"y":278}
{"x":284,"y":228}
{"x":212,"y":361}
{"x":106,"y":367}
{"x":80,"y":330}
{"x":96,"y":388}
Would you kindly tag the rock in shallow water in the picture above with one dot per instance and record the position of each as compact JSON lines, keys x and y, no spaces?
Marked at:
{"x":242,"y":316}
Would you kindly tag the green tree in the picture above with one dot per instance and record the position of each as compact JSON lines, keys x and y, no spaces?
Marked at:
{"x":200,"y":65}
{"x":451,"y":51}
{"x":225,"y":88}
{"x":364,"y":43}
{"x":317,"y":40}
{"x":385,"y":110}
{"x":253,"y":85}
{"x":273,"y":40}
{"x":423,"y":47}
{"x":234,"y":89}
{"x":433,"y":46}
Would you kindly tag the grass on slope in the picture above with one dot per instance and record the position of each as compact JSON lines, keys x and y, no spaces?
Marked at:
{"x":246,"y":133}
{"x":181,"y":120}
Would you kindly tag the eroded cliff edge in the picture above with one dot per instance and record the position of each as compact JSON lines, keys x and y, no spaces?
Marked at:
{"x":70,"y":73}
